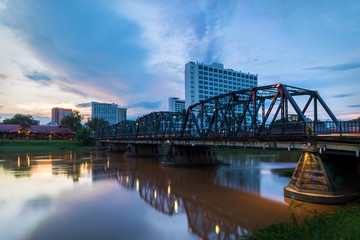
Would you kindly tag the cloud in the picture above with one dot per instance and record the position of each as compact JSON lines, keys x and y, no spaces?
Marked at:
{"x":36,"y":76}
{"x":146,"y":104}
{"x":354,"y":106}
{"x":338,"y":67}
{"x":41,"y":78}
{"x":2,"y":106}
{"x":84,"y":105}
{"x":344,"y":95}
{"x":3,"y":76}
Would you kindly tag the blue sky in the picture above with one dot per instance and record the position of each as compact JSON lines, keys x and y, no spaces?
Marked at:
{"x":71,"y":52}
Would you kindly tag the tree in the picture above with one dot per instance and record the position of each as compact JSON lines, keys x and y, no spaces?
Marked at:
{"x":19,"y":118}
{"x":73,"y":121}
{"x":356,"y":119}
{"x":84,"y":134}
{"x":96,"y":123}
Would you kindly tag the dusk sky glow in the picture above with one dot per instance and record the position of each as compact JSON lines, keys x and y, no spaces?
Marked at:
{"x":71,"y":52}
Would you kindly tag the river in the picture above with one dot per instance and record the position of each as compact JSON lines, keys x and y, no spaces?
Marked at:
{"x":101,"y":195}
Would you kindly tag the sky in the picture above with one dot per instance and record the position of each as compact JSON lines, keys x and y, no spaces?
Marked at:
{"x":133,"y":53}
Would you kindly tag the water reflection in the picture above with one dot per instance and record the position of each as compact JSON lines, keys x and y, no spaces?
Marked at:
{"x":219,"y":203}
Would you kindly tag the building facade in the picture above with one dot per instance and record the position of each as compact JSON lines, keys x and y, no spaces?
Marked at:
{"x":59,"y":113}
{"x":122,"y":114}
{"x":204,"y":81}
{"x":176,"y":104}
{"x":107,"y":111}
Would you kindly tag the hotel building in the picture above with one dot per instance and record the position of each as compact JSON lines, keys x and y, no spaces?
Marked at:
{"x":122,"y":114}
{"x":59,"y":113}
{"x":176,"y":105}
{"x":107,"y":111}
{"x":204,"y":81}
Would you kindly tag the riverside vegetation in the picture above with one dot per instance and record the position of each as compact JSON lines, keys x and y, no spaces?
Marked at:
{"x":343,"y":224}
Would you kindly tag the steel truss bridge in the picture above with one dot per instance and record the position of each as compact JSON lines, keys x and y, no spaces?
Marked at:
{"x":256,"y":117}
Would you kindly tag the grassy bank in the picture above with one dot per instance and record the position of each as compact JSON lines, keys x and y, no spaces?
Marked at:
{"x":343,"y":224}
{"x":41,"y":145}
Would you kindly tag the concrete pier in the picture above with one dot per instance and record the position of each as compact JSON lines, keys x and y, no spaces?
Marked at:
{"x":190,"y":156}
{"x":116,"y":147}
{"x":325,"y":179}
{"x":143,"y":150}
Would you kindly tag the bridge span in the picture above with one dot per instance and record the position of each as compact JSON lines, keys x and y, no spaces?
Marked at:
{"x":327,"y":172}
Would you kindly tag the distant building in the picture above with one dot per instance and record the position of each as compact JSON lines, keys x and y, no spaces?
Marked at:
{"x":176,"y":105}
{"x":205,"y":81}
{"x":59,"y":113}
{"x":122,"y":114}
{"x":107,"y":111}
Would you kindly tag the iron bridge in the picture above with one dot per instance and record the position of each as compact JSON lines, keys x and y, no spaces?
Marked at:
{"x":255,"y":118}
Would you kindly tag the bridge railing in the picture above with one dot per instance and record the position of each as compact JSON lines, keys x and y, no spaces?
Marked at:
{"x":326,"y":128}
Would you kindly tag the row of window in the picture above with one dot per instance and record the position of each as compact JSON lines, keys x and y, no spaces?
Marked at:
{"x":224,"y":83}
{"x":230,"y":73}
{"x":225,"y":79}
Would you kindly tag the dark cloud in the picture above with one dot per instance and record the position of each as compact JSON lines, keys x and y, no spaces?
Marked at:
{"x":3,"y":76}
{"x":36,"y":76}
{"x":83,"y":105}
{"x":74,"y":90}
{"x":338,"y":67}
{"x":354,"y":106}
{"x":344,"y":95}
{"x":2,"y":106}
{"x":145,"y":104}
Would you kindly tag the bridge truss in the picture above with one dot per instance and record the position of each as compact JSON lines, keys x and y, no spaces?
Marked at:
{"x":260,"y":111}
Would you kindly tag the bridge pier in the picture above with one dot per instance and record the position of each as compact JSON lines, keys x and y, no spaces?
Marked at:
{"x":143,"y":150}
{"x":116,"y":147}
{"x":101,"y":145}
{"x":190,"y":156}
{"x":325,"y":179}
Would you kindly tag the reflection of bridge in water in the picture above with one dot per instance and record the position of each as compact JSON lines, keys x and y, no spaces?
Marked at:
{"x":213,"y":211}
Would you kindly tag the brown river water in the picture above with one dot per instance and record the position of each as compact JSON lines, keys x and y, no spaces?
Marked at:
{"x":101,"y":195}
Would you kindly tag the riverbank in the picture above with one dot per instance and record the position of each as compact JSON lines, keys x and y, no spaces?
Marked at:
{"x":343,"y":224}
{"x":41,"y":145}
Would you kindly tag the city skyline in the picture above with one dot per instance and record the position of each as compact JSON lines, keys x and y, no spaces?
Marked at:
{"x":70,"y":53}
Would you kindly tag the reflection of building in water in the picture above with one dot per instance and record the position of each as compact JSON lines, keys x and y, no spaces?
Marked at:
{"x":244,"y":174}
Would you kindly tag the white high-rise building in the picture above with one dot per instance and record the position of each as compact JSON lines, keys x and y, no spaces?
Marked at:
{"x":106,"y":111}
{"x":176,"y":105}
{"x":204,"y":81}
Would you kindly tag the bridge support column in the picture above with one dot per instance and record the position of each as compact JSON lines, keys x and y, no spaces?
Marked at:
{"x":143,"y":150}
{"x":190,"y":156}
{"x":101,"y":145}
{"x":325,"y":179}
{"x":116,"y":147}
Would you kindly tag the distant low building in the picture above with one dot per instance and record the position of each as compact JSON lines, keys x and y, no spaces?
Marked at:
{"x":176,"y":105}
{"x":59,"y":113}
{"x":26,"y":131}
{"x":122,"y":114}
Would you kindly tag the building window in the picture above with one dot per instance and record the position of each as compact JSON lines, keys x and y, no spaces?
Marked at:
{"x":205,"y":68}
{"x":201,"y":82}
{"x":200,"y":67}
{"x":215,"y":70}
{"x":201,"y":72}
{"x":200,"y":77}
{"x":210,"y":69}
{"x":201,"y":87}
{"x":206,"y":78}
{"x":220,"y":71}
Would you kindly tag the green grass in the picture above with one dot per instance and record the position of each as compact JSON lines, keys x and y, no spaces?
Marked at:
{"x":40,"y":145}
{"x":343,"y":224}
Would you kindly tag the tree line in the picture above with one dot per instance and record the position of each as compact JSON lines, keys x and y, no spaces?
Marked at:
{"x":73,"y":122}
